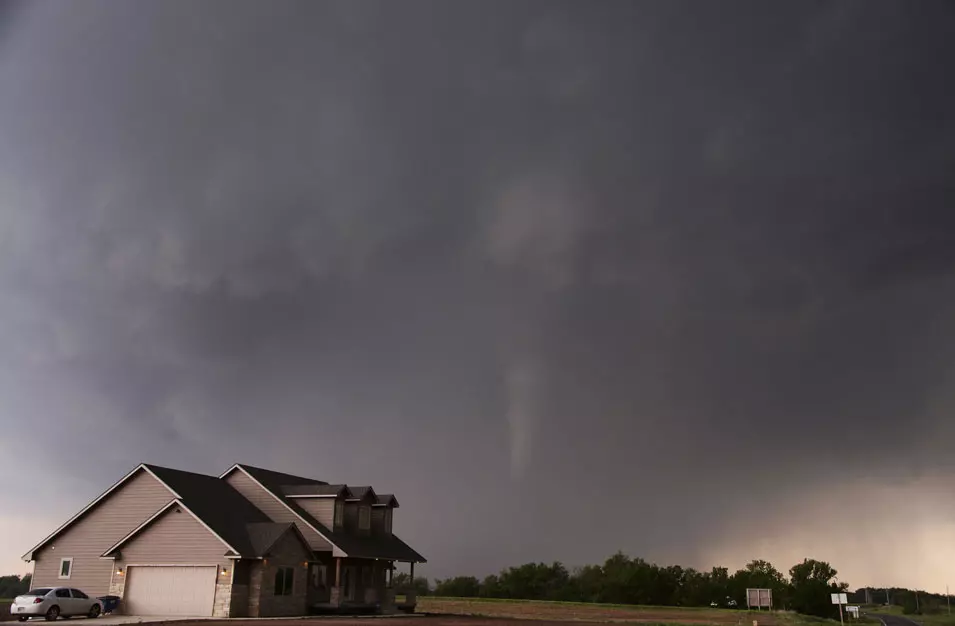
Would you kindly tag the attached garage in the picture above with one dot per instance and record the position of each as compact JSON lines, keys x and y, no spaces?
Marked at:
{"x":170,"y":590}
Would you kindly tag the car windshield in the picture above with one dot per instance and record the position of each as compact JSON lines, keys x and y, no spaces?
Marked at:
{"x":38,"y":592}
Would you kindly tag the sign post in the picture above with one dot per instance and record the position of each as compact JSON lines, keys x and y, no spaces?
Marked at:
{"x":840,"y":599}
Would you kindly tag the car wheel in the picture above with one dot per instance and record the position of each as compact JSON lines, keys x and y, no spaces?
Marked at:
{"x":94,"y":611}
{"x":22,"y":618}
{"x":52,"y":614}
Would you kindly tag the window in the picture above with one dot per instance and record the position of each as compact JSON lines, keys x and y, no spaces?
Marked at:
{"x":388,"y":514}
{"x":38,"y":592}
{"x":283,"y":581}
{"x":62,"y":593}
{"x":66,"y":567}
{"x":339,"y":512}
{"x":364,"y":518}
{"x":319,"y":573}
{"x":79,"y":594}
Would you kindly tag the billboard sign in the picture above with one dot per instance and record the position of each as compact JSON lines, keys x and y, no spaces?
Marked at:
{"x":759,"y":598}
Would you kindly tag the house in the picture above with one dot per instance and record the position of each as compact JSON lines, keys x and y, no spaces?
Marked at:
{"x":249,"y":543}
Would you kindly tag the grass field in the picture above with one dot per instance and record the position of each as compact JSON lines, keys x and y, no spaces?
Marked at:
{"x":938,"y":619}
{"x":576,"y":611}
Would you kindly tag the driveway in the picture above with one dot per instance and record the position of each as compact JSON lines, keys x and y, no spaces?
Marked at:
{"x":113,"y":620}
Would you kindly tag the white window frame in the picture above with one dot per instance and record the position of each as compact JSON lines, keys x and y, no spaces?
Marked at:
{"x":364,"y":517}
{"x":59,"y":572}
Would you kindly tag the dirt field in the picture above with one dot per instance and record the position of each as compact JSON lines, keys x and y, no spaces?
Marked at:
{"x":400,"y":621}
{"x":591,"y":612}
{"x":459,"y":612}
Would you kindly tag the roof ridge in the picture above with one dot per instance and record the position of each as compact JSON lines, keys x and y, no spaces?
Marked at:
{"x":153,"y":466}
{"x":281,"y":474}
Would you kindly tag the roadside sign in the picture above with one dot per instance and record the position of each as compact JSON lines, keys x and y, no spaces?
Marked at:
{"x":840,"y":598}
{"x":759,"y":598}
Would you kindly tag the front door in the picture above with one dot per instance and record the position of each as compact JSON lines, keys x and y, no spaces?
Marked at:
{"x":350,"y":580}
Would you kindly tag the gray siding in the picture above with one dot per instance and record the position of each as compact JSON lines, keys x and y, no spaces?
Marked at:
{"x":378,"y":516}
{"x":350,"y":518}
{"x":98,"y":529}
{"x":322,"y":509}
{"x":175,"y":539}
{"x":378,"y":520}
{"x":275,"y":510}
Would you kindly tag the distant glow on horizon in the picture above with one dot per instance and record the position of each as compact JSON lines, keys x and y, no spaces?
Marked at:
{"x":874,"y":534}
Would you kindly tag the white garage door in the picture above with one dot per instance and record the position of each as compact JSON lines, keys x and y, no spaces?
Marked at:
{"x":170,"y":590}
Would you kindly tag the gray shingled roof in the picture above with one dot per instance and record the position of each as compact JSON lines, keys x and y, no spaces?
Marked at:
{"x":278,"y":478}
{"x":380,"y":547}
{"x":387,"y":499}
{"x":315,"y":490}
{"x":263,"y":535}
{"x":376,"y":547}
{"x":216,"y":503}
{"x":359,"y":493}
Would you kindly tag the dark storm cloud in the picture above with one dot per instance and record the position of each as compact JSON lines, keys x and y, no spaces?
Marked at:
{"x":674,"y":257}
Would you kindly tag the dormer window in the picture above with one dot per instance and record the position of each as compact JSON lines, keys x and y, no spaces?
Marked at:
{"x":364,"y":517}
{"x":388,"y":513}
{"x":339,"y":513}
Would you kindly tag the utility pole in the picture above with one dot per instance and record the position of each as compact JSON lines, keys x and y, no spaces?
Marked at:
{"x":948,"y":600}
{"x":916,"y":601}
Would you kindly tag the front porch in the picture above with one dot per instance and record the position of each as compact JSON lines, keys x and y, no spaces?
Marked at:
{"x":356,"y":585}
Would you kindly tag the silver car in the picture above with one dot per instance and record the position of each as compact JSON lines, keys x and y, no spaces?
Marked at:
{"x":53,"y":602}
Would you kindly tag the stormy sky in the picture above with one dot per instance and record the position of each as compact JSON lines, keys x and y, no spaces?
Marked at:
{"x":673,"y":278}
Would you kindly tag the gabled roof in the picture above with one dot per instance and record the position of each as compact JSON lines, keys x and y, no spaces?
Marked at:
{"x":179,"y":507}
{"x":386,"y":499}
{"x":264,"y":536}
{"x":215,"y":503}
{"x":122,"y":481}
{"x":379,"y":547}
{"x":361,"y":493}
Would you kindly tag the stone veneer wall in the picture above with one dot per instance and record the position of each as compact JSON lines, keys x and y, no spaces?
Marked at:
{"x":255,"y":589}
{"x":287,"y":552}
{"x":117,"y":587}
{"x":222,"y":605}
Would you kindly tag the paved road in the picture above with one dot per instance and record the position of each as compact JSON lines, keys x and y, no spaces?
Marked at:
{"x":894,"y":620}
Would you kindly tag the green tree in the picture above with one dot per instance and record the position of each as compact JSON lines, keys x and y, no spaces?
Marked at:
{"x":812,"y":583}
{"x":14,"y":585}
{"x":759,"y":574}
{"x":535,"y":581}
{"x":491,"y":587}
{"x":420,"y":584}
{"x":458,"y":587}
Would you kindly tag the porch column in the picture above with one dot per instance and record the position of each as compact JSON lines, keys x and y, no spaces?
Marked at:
{"x":335,"y":597}
{"x":411,"y":596}
{"x":391,"y":575}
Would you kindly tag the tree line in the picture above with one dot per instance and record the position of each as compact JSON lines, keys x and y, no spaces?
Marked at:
{"x":625,"y":580}
{"x":13,"y":585}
